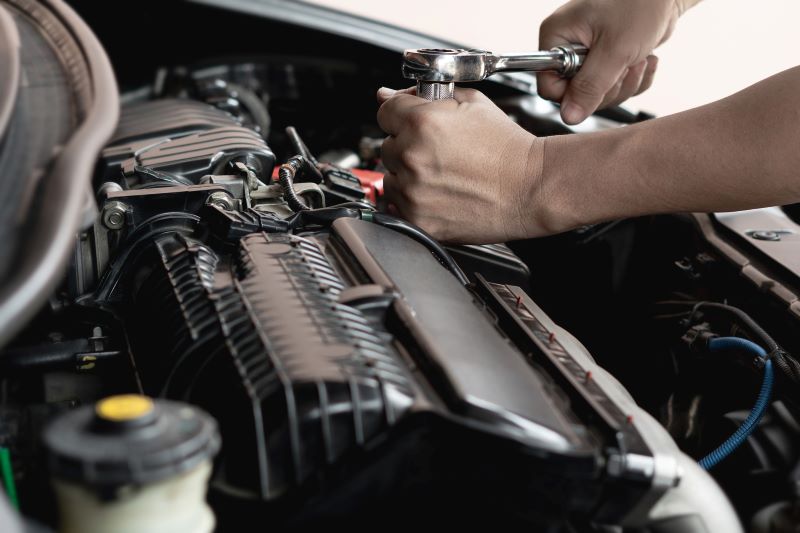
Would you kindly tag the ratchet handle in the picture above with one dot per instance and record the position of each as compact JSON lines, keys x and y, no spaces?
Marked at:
{"x":571,"y":58}
{"x":566,"y":60}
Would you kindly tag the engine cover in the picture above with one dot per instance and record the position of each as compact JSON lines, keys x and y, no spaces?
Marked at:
{"x":348,"y":361}
{"x":183,"y":137}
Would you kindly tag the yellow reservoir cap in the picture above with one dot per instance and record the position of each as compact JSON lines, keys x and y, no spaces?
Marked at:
{"x":124,"y":407}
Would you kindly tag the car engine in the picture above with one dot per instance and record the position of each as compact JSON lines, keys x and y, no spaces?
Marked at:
{"x":237,"y":314}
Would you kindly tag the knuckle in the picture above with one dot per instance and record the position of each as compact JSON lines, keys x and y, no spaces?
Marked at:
{"x":550,"y":25}
{"x":411,"y":202}
{"x":472,"y":94}
{"x":546,"y":27}
{"x":410,"y":159}
{"x":383,"y":116}
{"x":587,"y":87}
{"x":402,"y":191}
{"x":435,"y":228}
{"x":622,"y":52}
{"x":546,"y":86}
{"x":417,"y":119}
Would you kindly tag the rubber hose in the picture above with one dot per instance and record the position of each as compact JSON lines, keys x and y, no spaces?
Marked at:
{"x":255,"y":106}
{"x":301,"y":148}
{"x":723,"y":344}
{"x":286,"y":176}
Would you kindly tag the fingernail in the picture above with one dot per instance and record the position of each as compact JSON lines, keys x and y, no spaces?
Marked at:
{"x":386,"y":92}
{"x":572,"y":114}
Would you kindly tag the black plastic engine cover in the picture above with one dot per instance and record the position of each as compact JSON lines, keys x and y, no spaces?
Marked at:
{"x":183,"y":137}
{"x":348,"y":368}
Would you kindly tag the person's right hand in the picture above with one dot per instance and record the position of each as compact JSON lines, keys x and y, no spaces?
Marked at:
{"x":621,"y":35}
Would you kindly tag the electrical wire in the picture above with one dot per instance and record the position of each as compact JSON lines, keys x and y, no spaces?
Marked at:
{"x":727,"y":344}
{"x":301,"y":148}
{"x":787,"y":364}
{"x":286,"y":175}
{"x":364,"y":206}
{"x":7,"y":473}
{"x":419,"y":235}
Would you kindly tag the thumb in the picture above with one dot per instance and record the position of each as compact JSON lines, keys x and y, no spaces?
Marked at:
{"x":384,"y":93}
{"x":586,"y":91}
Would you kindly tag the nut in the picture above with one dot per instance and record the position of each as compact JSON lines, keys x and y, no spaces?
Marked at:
{"x":114,"y":215}
{"x":222,"y":199}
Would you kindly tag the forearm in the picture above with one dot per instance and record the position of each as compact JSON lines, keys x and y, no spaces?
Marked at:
{"x":738,"y":153}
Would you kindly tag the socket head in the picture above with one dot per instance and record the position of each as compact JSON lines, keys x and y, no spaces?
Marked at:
{"x":446,"y":65}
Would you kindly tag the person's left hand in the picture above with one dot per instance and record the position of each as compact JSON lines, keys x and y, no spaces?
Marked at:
{"x":460,"y":169}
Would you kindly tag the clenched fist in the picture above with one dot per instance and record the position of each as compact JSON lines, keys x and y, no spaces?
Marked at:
{"x":460,"y":169}
{"x":621,"y":36}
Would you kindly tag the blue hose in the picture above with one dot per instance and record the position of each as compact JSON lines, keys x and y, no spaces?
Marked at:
{"x":724,"y":344}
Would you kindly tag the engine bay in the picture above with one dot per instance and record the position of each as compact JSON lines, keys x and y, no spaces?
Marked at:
{"x":236,"y":258}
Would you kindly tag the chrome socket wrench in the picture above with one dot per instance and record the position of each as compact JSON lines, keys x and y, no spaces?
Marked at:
{"x":437,"y":69}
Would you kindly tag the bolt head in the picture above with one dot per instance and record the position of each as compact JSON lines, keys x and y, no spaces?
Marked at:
{"x":114,"y":215}
{"x":766,"y":235}
{"x":222,"y":200}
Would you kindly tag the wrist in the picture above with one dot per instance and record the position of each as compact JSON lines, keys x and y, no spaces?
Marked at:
{"x":547,"y":206}
{"x":585,"y":179}
{"x":522,"y":175}
{"x":553,"y":210}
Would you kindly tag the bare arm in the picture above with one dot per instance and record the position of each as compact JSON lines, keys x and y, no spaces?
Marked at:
{"x":465,"y":172}
{"x":737,"y":153}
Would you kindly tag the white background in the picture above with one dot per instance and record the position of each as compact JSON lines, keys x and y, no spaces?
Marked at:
{"x":718,"y":48}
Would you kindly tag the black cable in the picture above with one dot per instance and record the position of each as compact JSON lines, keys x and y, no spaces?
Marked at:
{"x":785,"y":362}
{"x":286,"y":175}
{"x":324,"y":216}
{"x":364,"y":206}
{"x":419,"y":235}
{"x":301,"y":148}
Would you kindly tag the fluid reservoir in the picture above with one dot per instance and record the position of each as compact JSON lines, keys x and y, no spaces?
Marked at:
{"x":131,"y":464}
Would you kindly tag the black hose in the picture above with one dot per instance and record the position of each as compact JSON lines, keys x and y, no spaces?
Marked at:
{"x":301,"y":148}
{"x":785,"y":363}
{"x":419,"y":235}
{"x":286,"y":176}
{"x":254,"y":105}
{"x":324,"y":216}
{"x":364,"y":206}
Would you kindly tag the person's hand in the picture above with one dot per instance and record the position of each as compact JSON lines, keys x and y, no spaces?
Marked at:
{"x":460,"y":169}
{"x":621,"y":35}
